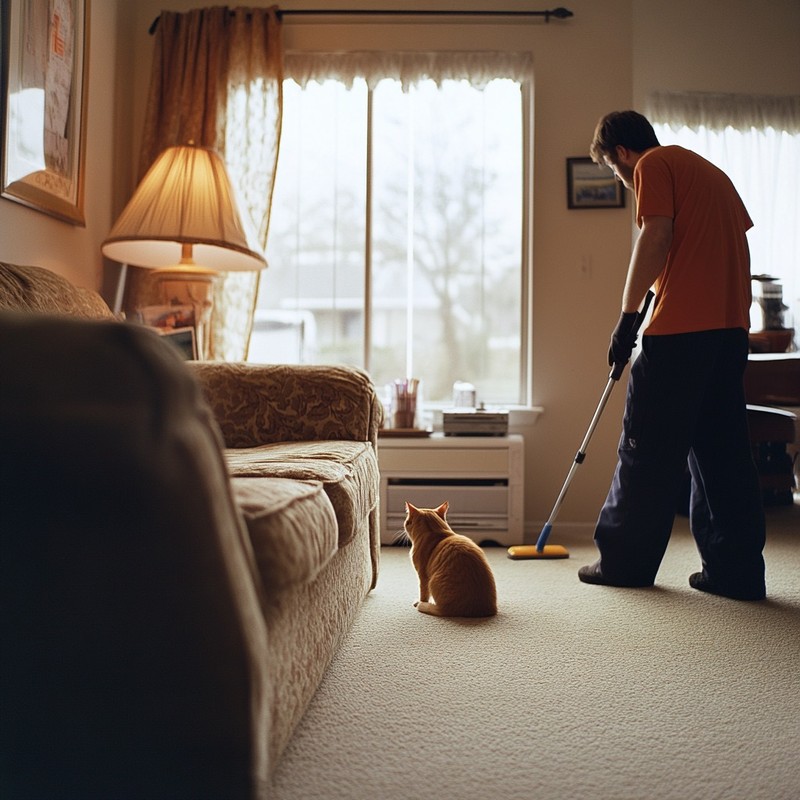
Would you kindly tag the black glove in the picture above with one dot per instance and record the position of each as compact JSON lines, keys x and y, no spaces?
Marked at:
{"x":623,"y":340}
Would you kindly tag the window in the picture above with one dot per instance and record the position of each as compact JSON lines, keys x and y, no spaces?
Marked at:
{"x":756,"y":141}
{"x":396,"y":234}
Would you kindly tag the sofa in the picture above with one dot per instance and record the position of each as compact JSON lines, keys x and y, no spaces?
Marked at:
{"x":185,"y":545}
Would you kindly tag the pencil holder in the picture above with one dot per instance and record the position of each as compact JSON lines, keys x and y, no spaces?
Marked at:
{"x":404,"y":403}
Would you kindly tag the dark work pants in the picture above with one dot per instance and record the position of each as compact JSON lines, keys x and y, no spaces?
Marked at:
{"x":685,"y":401}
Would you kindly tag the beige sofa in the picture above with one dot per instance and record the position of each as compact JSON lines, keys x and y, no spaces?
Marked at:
{"x":185,"y":546}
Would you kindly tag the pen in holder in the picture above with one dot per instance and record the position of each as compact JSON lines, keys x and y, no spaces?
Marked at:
{"x":404,"y":402}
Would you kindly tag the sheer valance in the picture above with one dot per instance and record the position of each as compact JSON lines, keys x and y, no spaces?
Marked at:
{"x":717,"y":111}
{"x":407,"y":67}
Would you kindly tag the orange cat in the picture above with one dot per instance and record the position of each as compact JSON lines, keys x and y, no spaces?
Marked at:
{"x":452,"y":569}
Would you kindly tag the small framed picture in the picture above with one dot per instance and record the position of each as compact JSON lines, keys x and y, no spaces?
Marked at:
{"x":591,"y":185}
{"x":183,"y":340}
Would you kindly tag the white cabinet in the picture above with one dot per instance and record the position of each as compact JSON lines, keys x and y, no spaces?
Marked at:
{"x":480,"y":476}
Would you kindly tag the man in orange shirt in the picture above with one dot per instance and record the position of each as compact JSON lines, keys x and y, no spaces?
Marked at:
{"x":685,"y":395}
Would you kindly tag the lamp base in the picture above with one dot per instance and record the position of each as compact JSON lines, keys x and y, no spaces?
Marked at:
{"x":189,"y":269}
{"x":192,"y":286}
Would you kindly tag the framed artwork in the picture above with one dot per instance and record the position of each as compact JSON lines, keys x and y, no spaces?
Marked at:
{"x":45,"y":49}
{"x":591,"y":185}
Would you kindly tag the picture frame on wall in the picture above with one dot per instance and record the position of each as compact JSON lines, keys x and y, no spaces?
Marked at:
{"x":591,"y":185}
{"x":45,"y":47}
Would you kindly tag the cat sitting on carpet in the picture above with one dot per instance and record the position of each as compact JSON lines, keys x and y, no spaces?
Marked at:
{"x":453,"y":571}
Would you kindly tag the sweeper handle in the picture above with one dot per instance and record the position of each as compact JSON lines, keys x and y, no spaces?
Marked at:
{"x":613,"y":377}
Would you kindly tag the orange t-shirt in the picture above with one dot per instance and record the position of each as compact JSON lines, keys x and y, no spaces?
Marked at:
{"x":705,"y":284}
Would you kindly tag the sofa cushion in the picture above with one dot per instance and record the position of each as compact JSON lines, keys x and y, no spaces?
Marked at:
{"x":347,"y":470}
{"x":36,"y":289}
{"x":292,"y":527}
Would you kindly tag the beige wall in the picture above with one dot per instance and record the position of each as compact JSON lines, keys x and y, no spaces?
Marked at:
{"x":578,"y":257}
{"x":611,"y":54}
{"x":717,"y":45}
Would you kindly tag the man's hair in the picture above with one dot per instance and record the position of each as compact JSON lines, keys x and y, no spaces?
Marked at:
{"x":627,"y":128}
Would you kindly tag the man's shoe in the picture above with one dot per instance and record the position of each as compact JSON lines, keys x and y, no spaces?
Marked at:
{"x":593,"y":574}
{"x":702,"y":583}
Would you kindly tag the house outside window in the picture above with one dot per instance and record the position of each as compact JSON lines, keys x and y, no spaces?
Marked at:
{"x":398,"y":229}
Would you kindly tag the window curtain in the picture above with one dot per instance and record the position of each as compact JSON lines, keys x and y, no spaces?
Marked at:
{"x":216,"y":79}
{"x":408,"y":67}
{"x":755,"y":139}
{"x":717,"y":111}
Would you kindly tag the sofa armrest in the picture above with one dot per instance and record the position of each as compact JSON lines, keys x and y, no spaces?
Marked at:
{"x":257,"y":404}
{"x":135,"y":656}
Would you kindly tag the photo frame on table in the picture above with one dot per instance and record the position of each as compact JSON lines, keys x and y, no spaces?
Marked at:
{"x":183,"y":339}
{"x":45,"y":65}
{"x":591,"y":185}
{"x":167,"y":316}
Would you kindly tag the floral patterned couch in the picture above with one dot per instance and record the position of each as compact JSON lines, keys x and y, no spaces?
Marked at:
{"x":185,"y":546}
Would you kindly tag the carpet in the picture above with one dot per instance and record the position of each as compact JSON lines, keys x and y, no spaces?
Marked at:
{"x":572,"y":691}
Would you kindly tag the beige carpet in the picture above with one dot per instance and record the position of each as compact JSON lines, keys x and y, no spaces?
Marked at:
{"x":572,"y":692}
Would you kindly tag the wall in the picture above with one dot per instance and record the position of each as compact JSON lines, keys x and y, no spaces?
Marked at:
{"x":578,"y":257}
{"x":609,"y":55}
{"x":28,"y":236}
{"x":724,"y":46}
{"x":680,"y":45}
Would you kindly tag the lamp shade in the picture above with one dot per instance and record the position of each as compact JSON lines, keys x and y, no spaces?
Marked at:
{"x":183,"y":209}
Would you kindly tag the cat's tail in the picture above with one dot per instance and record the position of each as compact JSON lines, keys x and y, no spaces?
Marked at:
{"x":435,"y":610}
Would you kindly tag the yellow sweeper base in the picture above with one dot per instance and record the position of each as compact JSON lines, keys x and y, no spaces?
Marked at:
{"x":522,"y":551}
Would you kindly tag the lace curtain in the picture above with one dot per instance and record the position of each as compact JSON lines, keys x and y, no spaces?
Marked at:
{"x":217,"y":80}
{"x":479,"y":67}
{"x":755,"y":139}
{"x":716,"y":111}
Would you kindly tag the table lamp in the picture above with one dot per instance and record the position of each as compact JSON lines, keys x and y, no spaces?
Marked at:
{"x":182,"y":221}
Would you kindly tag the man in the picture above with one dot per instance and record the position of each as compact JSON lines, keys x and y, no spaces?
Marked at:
{"x":685,"y":392}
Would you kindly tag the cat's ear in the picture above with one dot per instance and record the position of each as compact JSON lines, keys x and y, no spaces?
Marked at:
{"x":410,"y":509}
{"x":442,"y":510}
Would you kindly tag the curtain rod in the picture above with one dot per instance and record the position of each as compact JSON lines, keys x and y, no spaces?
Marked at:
{"x":558,"y":13}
